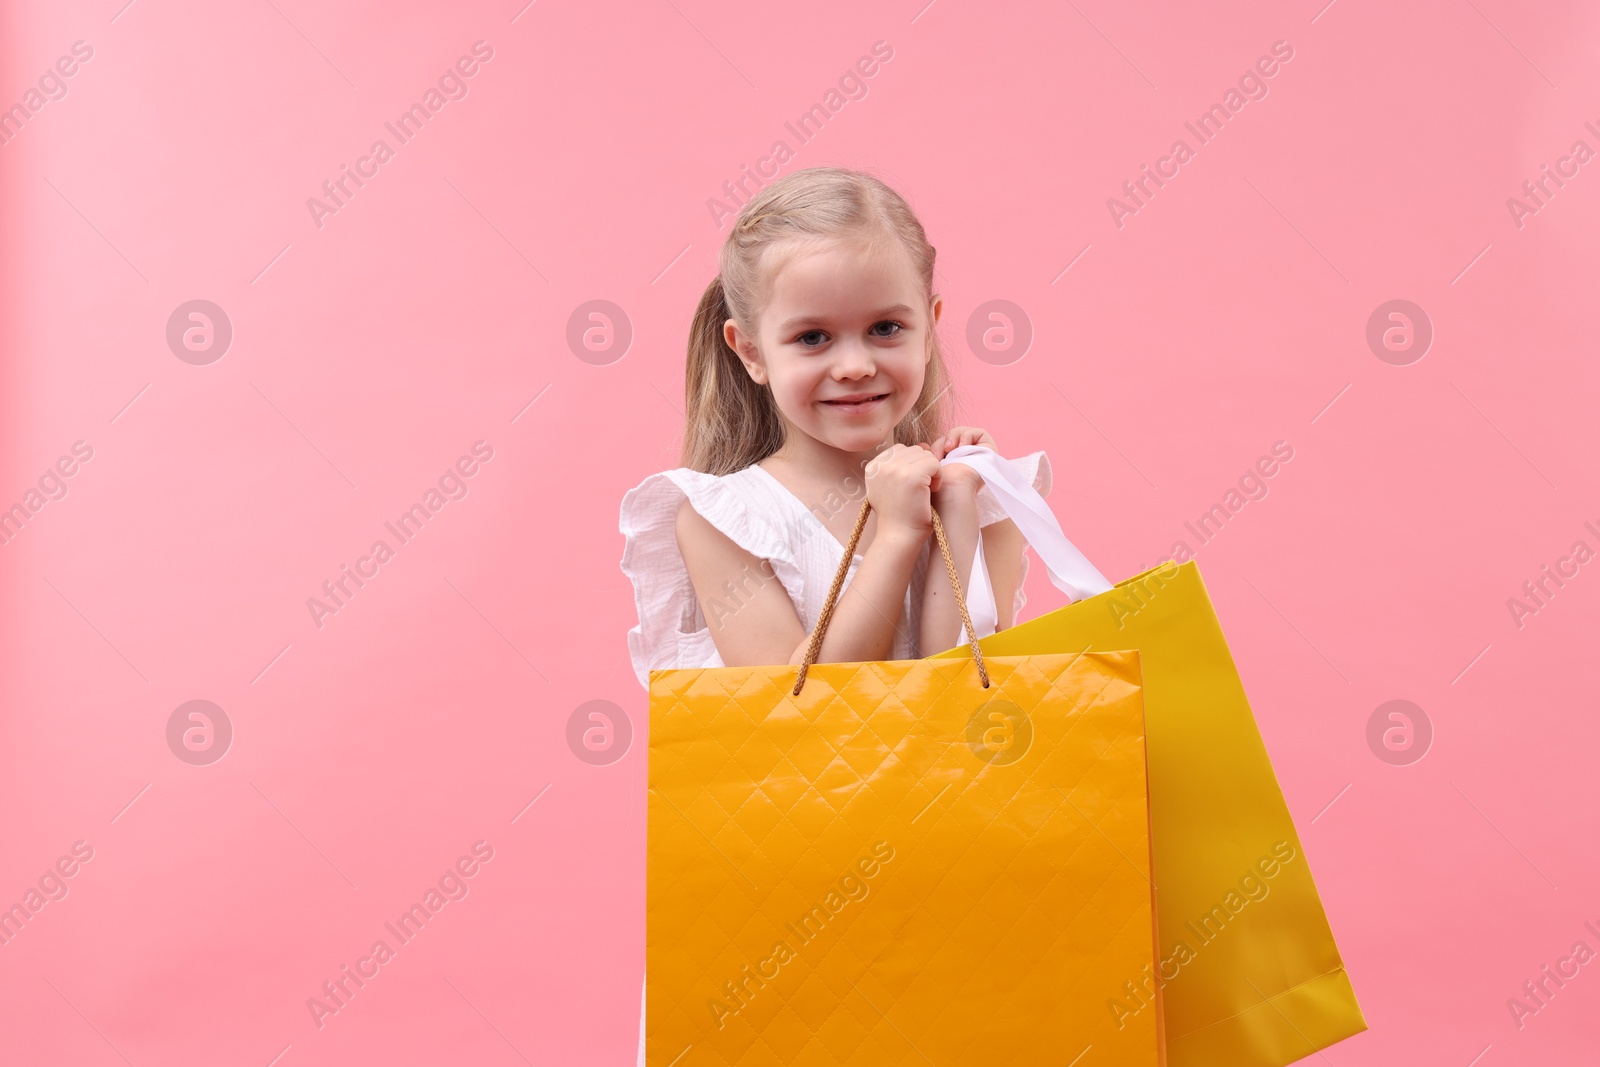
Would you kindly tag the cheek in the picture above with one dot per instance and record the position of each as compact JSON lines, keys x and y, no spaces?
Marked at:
{"x":911,"y":370}
{"x":794,"y":391}
{"x":798,"y":384}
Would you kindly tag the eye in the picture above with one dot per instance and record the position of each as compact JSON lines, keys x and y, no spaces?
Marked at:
{"x":810,"y":333}
{"x":889,"y":322}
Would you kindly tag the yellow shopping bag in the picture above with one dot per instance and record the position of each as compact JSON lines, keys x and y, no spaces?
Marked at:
{"x":901,"y":862}
{"x":1248,"y":971}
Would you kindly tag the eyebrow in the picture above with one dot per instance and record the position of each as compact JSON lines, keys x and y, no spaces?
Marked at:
{"x":810,"y":320}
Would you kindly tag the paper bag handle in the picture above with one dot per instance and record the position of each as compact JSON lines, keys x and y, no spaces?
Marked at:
{"x":814,"y":646}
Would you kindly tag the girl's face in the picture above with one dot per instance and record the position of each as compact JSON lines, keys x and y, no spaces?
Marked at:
{"x":842,"y":323}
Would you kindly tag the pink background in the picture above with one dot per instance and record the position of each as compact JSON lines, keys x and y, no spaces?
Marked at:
{"x":369,"y":353}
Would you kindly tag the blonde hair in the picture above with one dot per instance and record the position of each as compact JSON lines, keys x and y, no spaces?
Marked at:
{"x":730,"y":420}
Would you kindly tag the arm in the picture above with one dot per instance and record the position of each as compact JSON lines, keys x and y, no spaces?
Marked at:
{"x":871,"y":608}
{"x":956,"y":501}
{"x":955,"y":498}
{"x":753,"y":621}
{"x":1003,"y":544}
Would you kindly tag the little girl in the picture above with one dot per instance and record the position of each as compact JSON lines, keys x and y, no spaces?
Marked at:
{"x":815,"y":377}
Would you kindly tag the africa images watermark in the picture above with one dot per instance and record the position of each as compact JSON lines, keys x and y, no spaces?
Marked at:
{"x":452,"y":886}
{"x":452,"y":85}
{"x":851,"y":887}
{"x":52,"y":485}
{"x":1538,"y":991}
{"x":1212,"y":924}
{"x":1539,"y":591}
{"x":452,"y":485}
{"x":52,"y":885}
{"x":52,"y":86}
{"x":808,"y":124}
{"x":1537,"y":192}
{"x":1252,"y":85}
{"x":1252,"y":485}
{"x":1129,"y":598}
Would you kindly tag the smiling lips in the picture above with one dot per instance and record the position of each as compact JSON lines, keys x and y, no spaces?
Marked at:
{"x":859,"y":403}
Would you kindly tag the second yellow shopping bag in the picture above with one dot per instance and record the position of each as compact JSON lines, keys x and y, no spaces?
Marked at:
{"x":902,"y":862}
{"x":1249,"y":973}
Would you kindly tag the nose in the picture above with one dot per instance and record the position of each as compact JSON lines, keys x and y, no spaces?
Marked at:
{"x":855,"y":361}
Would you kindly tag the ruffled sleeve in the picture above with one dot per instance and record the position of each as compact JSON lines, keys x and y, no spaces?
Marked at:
{"x":672,"y":632}
{"x":1035,"y":466}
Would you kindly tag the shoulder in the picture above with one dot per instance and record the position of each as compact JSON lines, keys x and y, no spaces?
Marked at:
{"x":676,"y":516}
{"x":748,"y":507}
{"x":698,"y":536}
{"x":681,"y":509}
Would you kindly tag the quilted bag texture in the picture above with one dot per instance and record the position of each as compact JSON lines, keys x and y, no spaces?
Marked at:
{"x":904,"y":862}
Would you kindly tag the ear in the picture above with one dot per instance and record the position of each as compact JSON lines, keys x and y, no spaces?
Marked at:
{"x":934,"y":310}
{"x":745,"y":349}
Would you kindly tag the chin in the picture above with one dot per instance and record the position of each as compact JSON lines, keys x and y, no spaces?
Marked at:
{"x":863,"y":442}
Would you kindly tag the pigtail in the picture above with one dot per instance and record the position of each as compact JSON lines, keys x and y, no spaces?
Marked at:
{"x":728,"y":416}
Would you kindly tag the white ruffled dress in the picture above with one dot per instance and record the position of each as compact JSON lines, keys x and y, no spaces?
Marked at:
{"x":763,"y":517}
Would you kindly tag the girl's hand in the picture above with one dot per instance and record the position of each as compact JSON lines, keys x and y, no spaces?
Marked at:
{"x":900,"y":482}
{"x":963,"y":435}
{"x":958,"y":478}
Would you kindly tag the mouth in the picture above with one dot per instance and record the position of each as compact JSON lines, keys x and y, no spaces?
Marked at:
{"x":855,"y":406}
